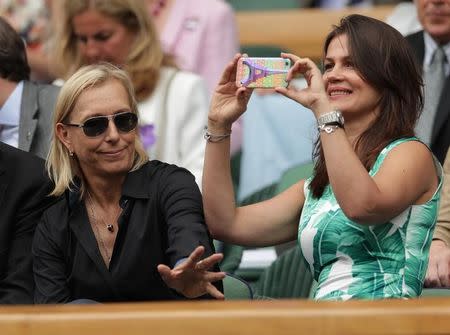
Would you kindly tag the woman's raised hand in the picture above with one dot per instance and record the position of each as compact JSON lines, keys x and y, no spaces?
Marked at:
{"x":311,"y":96}
{"x":228,"y":101}
{"x":192,"y":277}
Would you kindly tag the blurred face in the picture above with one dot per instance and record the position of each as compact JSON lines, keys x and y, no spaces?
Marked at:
{"x":346,"y":89}
{"x":434,"y":15}
{"x":101,"y":38}
{"x":110,"y":153}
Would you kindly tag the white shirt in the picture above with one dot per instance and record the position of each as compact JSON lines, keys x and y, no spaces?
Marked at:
{"x":10,"y":117}
{"x":178,"y":126}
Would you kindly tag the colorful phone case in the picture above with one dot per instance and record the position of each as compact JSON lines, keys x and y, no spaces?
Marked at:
{"x":262,"y":72}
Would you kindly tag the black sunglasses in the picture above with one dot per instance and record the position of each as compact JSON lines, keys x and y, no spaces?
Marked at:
{"x":95,"y":126}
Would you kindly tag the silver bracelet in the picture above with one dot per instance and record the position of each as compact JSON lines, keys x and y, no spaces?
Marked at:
{"x":214,"y":138}
{"x":328,"y":128}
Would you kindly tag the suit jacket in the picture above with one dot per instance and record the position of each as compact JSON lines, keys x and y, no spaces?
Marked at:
{"x":36,"y":112}
{"x":440,"y":137}
{"x":23,"y":197}
{"x":202,"y":35}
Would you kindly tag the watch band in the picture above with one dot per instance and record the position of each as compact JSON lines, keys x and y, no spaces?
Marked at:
{"x":334,"y":117}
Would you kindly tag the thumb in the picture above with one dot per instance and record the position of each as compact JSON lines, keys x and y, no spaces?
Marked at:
{"x":282,"y":90}
{"x":164,"y":271}
{"x":290,"y":93}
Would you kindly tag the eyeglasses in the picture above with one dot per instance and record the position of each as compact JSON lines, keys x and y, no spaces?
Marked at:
{"x":95,"y":126}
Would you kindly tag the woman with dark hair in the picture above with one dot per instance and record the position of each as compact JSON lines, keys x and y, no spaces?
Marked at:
{"x":365,"y":219}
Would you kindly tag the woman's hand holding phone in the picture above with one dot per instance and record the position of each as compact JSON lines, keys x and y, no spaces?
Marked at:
{"x":228,"y":101}
{"x":314,"y":96}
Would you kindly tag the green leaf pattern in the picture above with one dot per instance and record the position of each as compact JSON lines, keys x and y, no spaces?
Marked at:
{"x":350,"y":260}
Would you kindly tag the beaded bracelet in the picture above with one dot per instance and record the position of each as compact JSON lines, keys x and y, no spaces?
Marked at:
{"x":214,"y":138}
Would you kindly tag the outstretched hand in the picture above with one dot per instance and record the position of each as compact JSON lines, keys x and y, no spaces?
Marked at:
{"x":192,"y":277}
{"x":228,"y":101}
{"x":314,"y":94}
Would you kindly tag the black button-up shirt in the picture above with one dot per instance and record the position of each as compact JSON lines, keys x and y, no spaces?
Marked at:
{"x":162,"y":222}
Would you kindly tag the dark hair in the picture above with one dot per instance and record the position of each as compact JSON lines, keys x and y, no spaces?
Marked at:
{"x":383,"y":59}
{"x":13,"y":58}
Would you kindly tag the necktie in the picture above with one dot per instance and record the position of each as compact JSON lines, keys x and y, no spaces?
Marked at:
{"x":434,"y":79}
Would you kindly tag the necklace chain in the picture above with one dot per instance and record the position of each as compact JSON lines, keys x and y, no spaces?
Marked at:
{"x":109,"y":227}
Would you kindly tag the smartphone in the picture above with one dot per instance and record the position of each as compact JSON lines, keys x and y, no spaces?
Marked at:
{"x":262,"y":72}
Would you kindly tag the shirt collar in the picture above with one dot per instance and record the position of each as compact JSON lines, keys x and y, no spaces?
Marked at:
{"x":133,"y":187}
{"x":137,"y":183}
{"x":10,"y":111}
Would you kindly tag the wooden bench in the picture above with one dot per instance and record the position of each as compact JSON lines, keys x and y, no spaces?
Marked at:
{"x":418,"y":316}
{"x":301,"y":31}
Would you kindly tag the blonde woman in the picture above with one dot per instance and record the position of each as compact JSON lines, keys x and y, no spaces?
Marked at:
{"x":173,"y":104}
{"x":122,"y":221}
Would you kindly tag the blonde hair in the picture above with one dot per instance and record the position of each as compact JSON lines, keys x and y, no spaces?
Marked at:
{"x":61,"y":167}
{"x":145,"y":57}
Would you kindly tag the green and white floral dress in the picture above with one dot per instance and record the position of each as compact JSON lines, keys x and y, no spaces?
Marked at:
{"x":350,"y":260}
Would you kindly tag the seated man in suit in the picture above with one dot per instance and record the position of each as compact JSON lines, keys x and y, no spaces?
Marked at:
{"x":24,"y":189}
{"x":431,"y":45}
{"x":434,"y":124}
{"x":26,"y":108}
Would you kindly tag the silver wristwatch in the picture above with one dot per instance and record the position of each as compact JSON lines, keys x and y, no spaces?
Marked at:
{"x":332,"y":118}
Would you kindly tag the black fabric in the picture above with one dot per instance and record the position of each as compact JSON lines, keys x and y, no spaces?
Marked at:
{"x":23,"y":197}
{"x":162,"y":222}
{"x":440,"y":138}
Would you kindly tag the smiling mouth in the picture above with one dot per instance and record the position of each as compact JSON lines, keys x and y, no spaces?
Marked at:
{"x":112,"y":153}
{"x":336,"y":93}
{"x":438,"y":13}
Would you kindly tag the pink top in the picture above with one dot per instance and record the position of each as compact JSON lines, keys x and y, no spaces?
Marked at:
{"x":202,"y":36}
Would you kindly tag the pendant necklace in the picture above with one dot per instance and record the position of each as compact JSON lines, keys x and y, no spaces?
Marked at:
{"x":109,"y":227}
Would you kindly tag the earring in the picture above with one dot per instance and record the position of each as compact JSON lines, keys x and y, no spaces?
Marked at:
{"x":70,"y":153}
